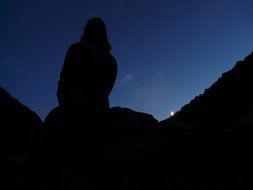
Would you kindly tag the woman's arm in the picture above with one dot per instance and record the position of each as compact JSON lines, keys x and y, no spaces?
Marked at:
{"x":66,"y":72}
{"x":112,"y":74}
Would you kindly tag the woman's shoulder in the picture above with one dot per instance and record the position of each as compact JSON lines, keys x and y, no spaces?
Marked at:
{"x":75,"y":48}
{"x":75,"y":45}
{"x":111,"y":58}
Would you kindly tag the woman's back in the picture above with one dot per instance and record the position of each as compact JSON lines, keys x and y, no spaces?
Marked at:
{"x":88,"y":73}
{"x":89,"y":69}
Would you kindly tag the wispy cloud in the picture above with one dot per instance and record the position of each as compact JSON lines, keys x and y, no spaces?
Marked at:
{"x":19,"y":72}
{"x":126,"y":78}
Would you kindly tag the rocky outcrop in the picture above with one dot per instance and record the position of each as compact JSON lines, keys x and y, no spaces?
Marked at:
{"x":85,"y":144}
{"x":19,"y":140}
{"x":215,"y":129}
{"x":20,"y":128}
{"x":227,"y":104}
{"x":74,"y":133}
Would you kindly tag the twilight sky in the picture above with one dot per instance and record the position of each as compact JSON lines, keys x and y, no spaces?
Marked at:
{"x":168,"y":51}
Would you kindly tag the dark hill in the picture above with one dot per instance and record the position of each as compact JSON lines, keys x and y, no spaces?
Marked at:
{"x":228,"y":103}
{"x":214,"y":131}
{"x":19,"y":126}
{"x":19,"y":139}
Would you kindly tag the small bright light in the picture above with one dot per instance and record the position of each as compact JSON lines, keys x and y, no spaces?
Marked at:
{"x":172,"y":113}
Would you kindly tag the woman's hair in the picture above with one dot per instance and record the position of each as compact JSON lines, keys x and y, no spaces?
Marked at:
{"x":95,"y":33}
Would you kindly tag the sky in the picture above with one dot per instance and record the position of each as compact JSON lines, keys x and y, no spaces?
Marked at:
{"x":168,"y":51}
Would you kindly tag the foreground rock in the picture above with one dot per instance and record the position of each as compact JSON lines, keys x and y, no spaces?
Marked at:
{"x":80,"y":146}
{"x":72,"y":133}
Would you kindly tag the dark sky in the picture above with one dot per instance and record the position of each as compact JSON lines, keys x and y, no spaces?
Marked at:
{"x":167,"y":51}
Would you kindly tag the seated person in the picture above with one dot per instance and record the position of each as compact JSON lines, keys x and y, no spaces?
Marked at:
{"x":89,"y":70}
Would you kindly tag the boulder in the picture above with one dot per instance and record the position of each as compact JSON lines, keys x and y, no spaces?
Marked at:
{"x":75,"y":133}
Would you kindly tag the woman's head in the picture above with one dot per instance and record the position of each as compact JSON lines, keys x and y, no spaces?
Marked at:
{"x":95,"y":33}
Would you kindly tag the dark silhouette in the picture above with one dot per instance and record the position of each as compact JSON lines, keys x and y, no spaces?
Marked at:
{"x":87,"y":78}
{"x":225,"y":104}
{"x":19,"y":127}
{"x":206,"y":145}
{"x":89,"y":70}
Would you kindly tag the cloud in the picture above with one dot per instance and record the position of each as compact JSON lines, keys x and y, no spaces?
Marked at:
{"x":19,"y":72}
{"x":126,"y":78}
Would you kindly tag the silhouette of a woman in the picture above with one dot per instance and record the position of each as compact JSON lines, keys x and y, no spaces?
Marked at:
{"x":89,"y":70}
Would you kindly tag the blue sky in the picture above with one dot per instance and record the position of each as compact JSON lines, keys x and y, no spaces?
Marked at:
{"x":167,"y":51}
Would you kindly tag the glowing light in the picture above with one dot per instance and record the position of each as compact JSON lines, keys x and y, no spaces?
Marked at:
{"x":172,"y":113}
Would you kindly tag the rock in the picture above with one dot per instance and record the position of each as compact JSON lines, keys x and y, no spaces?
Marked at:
{"x":83,"y":144}
{"x":19,"y":140}
{"x":20,"y":128}
{"x":215,"y":128}
{"x":223,"y":105}
{"x":95,"y":135}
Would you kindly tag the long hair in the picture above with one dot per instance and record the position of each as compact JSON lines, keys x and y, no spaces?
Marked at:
{"x":95,"y":34}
